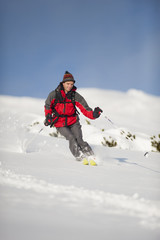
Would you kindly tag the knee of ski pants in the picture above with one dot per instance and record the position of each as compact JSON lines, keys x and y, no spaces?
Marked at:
{"x":64,"y":131}
{"x":70,"y":138}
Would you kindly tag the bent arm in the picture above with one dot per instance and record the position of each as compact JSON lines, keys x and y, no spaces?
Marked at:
{"x":49,"y":103}
{"x":81,"y":103}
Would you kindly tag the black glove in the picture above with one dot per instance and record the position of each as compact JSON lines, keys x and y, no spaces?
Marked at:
{"x":97,"y":112}
{"x":48,"y":120}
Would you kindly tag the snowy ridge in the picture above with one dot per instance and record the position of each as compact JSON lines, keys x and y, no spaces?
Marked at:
{"x":97,"y":201}
{"x":135,"y":112}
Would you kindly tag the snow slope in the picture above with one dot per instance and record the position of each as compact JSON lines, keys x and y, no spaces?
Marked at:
{"x":46,"y":194}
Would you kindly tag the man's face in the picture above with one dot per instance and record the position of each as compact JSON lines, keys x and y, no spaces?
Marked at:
{"x":68,"y":86}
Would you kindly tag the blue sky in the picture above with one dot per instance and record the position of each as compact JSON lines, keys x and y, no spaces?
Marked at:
{"x":106,"y":44}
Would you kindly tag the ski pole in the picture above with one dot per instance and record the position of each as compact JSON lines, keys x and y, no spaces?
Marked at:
{"x":111,"y":122}
{"x":116,"y":127}
{"x":41,"y":130}
{"x":146,"y":154}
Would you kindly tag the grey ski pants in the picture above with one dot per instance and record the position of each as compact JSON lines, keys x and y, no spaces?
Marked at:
{"x":73,"y":134}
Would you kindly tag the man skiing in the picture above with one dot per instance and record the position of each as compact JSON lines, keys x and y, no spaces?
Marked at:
{"x":60,"y":111}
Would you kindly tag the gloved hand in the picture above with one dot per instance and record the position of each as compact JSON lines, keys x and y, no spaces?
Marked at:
{"x":48,"y":120}
{"x":97,"y":112}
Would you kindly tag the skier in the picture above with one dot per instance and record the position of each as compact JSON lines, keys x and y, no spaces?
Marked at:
{"x":60,"y":111}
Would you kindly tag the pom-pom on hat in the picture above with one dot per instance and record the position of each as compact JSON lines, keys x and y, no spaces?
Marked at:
{"x":68,"y":77}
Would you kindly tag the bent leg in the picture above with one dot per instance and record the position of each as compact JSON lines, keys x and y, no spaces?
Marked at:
{"x":73,"y":145}
{"x":77,"y":132}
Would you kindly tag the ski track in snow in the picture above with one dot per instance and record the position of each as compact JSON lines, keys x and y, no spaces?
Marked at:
{"x":148,"y":212}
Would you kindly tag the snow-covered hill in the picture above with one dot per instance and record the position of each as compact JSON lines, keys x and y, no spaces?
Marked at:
{"x":46,"y":194}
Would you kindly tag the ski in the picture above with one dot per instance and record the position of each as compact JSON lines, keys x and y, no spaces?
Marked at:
{"x":90,"y":161}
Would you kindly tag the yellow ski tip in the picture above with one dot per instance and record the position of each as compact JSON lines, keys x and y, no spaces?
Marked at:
{"x":85,"y":161}
{"x":92,"y":163}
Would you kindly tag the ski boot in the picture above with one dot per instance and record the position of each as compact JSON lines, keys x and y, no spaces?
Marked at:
{"x":82,"y":158}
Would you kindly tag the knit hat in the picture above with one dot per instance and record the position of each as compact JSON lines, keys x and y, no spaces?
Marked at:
{"x":68,"y":77}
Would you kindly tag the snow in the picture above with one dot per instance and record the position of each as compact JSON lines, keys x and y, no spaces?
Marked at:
{"x":46,"y":194}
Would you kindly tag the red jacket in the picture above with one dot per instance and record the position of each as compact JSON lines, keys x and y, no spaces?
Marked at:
{"x":64,"y":110}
